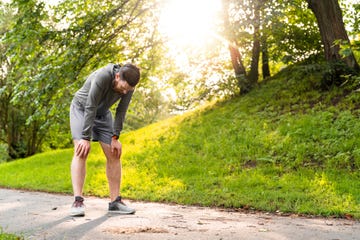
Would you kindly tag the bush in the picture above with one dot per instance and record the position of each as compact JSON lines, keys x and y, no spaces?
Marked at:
{"x":4,"y":156}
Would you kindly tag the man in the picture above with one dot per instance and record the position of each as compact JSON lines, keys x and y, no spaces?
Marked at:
{"x":91,"y":119}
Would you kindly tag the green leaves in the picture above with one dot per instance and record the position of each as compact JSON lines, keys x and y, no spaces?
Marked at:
{"x":48,"y":52}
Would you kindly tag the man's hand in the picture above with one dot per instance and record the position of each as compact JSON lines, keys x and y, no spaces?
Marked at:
{"x":83,"y":148}
{"x":116,"y":147}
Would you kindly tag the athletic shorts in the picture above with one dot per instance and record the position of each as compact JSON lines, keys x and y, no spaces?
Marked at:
{"x":102,"y":129}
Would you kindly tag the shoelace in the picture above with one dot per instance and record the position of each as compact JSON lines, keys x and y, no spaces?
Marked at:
{"x":78,"y":203}
{"x":119,"y":200}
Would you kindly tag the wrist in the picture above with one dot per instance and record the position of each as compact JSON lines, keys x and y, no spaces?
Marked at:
{"x":115,"y":137}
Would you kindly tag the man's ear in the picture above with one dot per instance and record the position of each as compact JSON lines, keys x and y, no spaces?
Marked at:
{"x":117,"y":76}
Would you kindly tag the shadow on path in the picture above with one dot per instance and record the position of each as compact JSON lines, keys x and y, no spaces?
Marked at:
{"x":82,"y":229}
{"x":41,"y":229}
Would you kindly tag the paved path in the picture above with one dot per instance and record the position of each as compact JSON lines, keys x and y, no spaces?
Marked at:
{"x":37,"y":215}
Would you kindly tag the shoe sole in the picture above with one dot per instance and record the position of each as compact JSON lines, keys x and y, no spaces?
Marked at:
{"x":80,"y":214}
{"x":121,"y":212}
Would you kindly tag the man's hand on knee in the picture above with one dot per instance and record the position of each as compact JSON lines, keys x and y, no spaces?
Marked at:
{"x":83,"y":148}
{"x":116,"y":147}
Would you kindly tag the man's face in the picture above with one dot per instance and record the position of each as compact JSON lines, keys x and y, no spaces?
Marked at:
{"x":122,"y":86}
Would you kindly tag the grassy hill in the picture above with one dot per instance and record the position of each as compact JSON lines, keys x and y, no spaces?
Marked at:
{"x":284,"y":147}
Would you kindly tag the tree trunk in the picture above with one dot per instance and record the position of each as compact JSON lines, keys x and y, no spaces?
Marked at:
{"x":32,"y":139}
{"x":13,"y":135}
{"x":236,"y":61}
{"x":254,"y":70}
{"x":265,"y":59}
{"x":235,"y":55}
{"x":264,"y":49}
{"x":331,"y":26}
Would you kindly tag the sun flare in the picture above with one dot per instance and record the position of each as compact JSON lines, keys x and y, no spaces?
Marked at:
{"x":189,"y":22}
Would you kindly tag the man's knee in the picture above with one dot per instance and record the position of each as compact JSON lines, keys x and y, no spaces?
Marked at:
{"x":113,"y":158}
{"x":79,"y":159}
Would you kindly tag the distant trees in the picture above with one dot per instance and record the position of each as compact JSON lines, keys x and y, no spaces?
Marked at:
{"x":281,"y":30}
{"x":332,"y":29}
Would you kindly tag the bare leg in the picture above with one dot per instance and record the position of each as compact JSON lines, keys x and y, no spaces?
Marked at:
{"x":113,"y":171}
{"x":78,"y":172}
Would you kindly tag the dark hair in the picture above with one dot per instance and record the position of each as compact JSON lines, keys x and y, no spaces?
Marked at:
{"x":130,"y":73}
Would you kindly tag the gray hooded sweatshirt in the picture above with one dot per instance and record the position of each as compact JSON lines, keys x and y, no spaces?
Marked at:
{"x":96,"y":96}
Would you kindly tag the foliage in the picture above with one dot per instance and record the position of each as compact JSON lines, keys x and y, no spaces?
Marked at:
{"x":9,"y":236}
{"x":48,"y":52}
{"x":3,"y":153}
{"x":271,"y":32}
{"x":292,"y":30}
{"x":287,"y":146}
{"x":351,"y":15}
{"x":199,"y":85}
{"x":148,"y":105}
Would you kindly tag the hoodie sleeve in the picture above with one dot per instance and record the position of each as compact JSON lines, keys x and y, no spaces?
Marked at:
{"x":121,"y":112}
{"x":96,"y":93}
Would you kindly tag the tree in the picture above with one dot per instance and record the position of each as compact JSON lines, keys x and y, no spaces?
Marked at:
{"x":275,"y":30}
{"x":290,"y":30}
{"x":265,"y":56}
{"x":331,"y":26}
{"x":47,"y":59}
{"x":6,"y":17}
{"x":20,"y":42}
{"x":236,"y":58}
{"x":255,"y":55}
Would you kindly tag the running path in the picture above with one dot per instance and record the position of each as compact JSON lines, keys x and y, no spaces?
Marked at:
{"x":37,"y":215}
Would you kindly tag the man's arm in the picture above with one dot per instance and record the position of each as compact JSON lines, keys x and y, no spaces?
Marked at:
{"x":121,"y":113}
{"x":95,"y":95}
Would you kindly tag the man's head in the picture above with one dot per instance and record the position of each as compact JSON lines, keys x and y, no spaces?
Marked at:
{"x":126,"y":78}
{"x":130,"y":73}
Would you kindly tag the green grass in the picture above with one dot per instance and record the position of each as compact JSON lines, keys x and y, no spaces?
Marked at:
{"x":283,"y":147}
{"x":9,"y":236}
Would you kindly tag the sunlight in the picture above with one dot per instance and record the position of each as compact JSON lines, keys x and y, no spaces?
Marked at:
{"x":189,"y":22}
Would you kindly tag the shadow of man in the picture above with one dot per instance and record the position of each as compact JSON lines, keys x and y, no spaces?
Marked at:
{"x":82,"y":229}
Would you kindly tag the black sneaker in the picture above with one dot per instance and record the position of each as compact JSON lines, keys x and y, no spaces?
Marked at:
{"x":119,"y":207}
{"x":78,"y":207}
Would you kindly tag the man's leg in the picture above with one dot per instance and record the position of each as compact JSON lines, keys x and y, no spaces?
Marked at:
{"x":78,"y":172}
{"x":113,"y":171}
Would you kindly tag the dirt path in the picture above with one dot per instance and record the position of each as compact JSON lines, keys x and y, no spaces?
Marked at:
{"x":36,"y":215}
